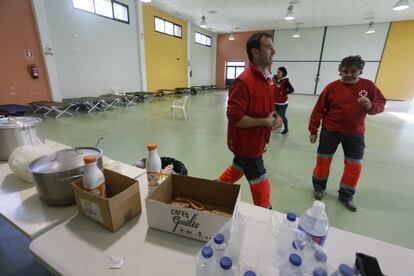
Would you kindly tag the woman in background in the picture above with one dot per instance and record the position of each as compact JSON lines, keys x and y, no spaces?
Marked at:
{"x":282,"y":89}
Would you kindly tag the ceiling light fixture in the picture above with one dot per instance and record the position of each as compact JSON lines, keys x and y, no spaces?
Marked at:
{"x":296,"y":34}
{"x":231,"y":36}
{"x":370,"y":29}
{"x":203,"y":23}
{"x":289,"y":15}
{"x":146,"y":1}
{"x":401,"y":5}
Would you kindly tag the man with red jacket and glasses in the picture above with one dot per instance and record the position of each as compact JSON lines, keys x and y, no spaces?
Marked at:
{"x":342,"y":107}
{"x":251,"y":117}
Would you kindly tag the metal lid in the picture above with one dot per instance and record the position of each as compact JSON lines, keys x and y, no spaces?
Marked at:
{"x":19,"y":122}
{"x":63,"y":160}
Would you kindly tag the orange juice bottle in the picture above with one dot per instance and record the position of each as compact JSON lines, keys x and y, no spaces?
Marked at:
{"x":93,"y":179}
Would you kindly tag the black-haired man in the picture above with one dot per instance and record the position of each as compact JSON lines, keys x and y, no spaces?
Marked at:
{"x":251,"y":117}
{"x":342,"y":107}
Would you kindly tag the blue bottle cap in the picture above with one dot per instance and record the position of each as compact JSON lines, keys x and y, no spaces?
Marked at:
{"x":320,"y":256}
{"x":225,"y":263}
{"x":320,"y":272}
{"x":219,"y":238}
{"x":295,"y":259}
{"x":291,"y":216}
{"x":250,"y":273}
{"x":345,"y":270}
{"x":207,"y":252}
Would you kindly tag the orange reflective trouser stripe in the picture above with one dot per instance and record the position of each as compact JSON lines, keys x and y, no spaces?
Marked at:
{"x":231,"y":175}
{"x":323,"y":164}
{"x":352,"y":172}
{"x":261,"y":193}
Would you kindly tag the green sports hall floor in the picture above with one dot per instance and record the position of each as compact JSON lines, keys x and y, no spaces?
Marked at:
{"x":385,"y":195}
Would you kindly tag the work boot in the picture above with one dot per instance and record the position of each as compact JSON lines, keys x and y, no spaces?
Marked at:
{"x":318,"y":195}
{"x":349,"y":204}
{"x":284,"y":132}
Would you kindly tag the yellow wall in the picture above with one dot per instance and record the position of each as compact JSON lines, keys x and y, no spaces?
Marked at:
{"x":165,"y":56}
{"x":396,"y":73}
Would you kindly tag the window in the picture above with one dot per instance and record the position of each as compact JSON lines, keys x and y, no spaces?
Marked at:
{"x":167,"y":27}
{"x":203,"y":39}
{"x":106,"y":8}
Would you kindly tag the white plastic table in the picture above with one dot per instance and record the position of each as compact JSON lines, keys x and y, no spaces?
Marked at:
{"x":81,"y":247}
{"x":21,"y":206}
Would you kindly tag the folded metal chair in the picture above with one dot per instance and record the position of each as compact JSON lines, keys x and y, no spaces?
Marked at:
{"x":130,"y":98}
{"x":109,"y":101}
{"x":91,"y":103}
{"x":50,"y":106}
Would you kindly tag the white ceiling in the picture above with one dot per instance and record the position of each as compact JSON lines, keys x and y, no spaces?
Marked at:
{"x":250,"y":15}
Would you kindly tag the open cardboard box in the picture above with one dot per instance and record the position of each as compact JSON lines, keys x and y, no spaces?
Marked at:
{"x":200,"y":225}
{"x":123,"y":201}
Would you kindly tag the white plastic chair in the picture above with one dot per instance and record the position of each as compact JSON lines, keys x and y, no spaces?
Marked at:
{"x":179,"y":104}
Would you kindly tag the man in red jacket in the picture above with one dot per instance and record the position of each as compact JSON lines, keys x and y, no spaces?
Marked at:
{"x":251,"y":117}
{"x":342,"y":107}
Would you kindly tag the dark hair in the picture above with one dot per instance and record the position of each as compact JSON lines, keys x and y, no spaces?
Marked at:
{"x":283,"y":70}
{"x":254,"y":43}
{"x":352,"y":61}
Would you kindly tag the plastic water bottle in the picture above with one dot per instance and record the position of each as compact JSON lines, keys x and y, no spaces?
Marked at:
{"x":344,"y":270}
{"x":287,"y":234}
{"x":153,"y":166}
{"x":219,"y":247}
{"x":225,"y":268}
{"x":319,"y":272}
{"x":93,"y":179}
{"x":318,"y":260}
{"x":205,"y":263}
{"x":249,"y":273}
{"x":314,"y":222}
{"x":293,"y":267}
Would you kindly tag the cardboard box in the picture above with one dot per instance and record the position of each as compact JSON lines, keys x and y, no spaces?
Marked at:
{"x":123,"y":201}
{"x":200,"y":225}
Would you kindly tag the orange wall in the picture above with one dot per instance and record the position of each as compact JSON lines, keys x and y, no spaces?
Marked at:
{"x":18,"y":33}
{"x":231,"y":50}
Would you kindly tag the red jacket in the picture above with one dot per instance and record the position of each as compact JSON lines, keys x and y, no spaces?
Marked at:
{"x":339,"y":110}
{"x":250,"y":94}
{"x":282,"y":89}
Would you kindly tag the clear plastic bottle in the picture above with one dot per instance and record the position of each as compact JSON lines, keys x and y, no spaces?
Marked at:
{"x":319,"y":271}
{"x":219,"y":247}
{"x":226,"y":267}
{"x":249,"y":273}
{"x":93,"y":179}
{"x":287,"y":234}
{"x":293,"y":267}
{"x":319,"y":259}
{"x":205,"y":262}
{"x":344,"y":270}
{"x":314,"y":222}
{"x":153,"y":167}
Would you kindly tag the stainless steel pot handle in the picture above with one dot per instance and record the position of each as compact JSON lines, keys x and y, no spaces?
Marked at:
{"x":64,"y":150}
{"x":70,"y":177}
{"x":99,"y":140}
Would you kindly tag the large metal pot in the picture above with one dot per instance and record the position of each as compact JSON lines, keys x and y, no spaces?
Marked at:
{"x":18,"y":131}
{"x":54,"y":173}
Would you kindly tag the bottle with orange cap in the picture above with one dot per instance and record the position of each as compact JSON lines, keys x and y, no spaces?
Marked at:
{"x":153,"y":166}
{"x":93,"y":179}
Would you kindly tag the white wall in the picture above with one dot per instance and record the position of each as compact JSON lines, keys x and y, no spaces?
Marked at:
{"x":202,"y":58}
{"x":93,"y":53}
{"x":302,"y":56}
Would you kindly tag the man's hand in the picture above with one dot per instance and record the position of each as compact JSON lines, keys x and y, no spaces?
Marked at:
{"x":270,"y":120}
{"x":364,"y":102}
{"x":313,"y":138}
{"x":277,"y":123}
